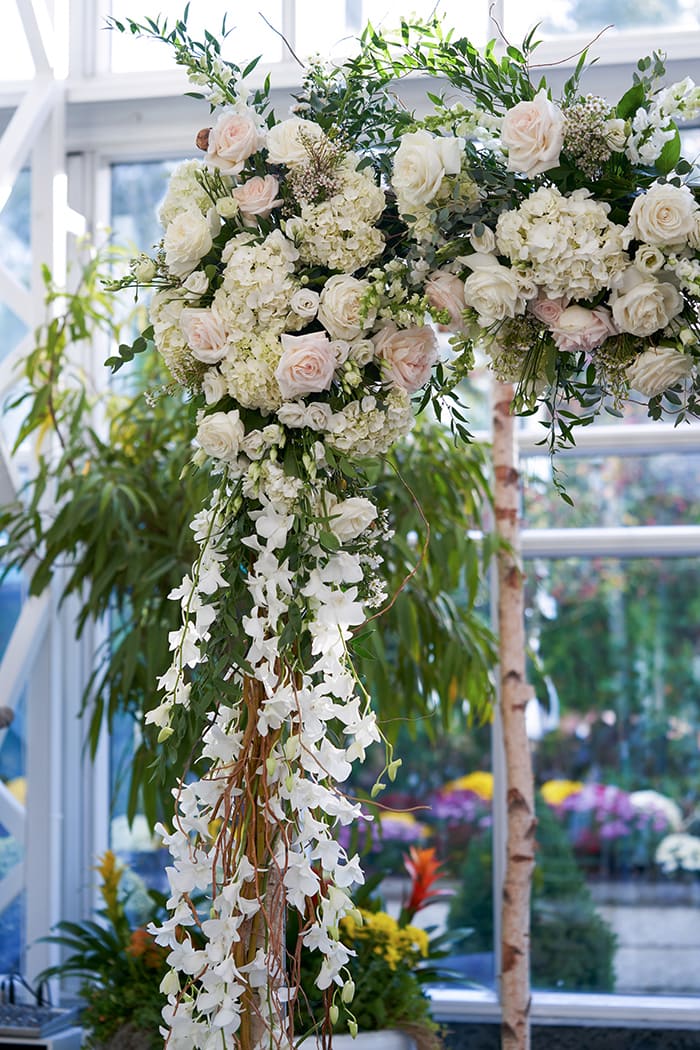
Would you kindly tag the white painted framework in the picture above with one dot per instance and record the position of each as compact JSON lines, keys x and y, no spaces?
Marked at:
{"x":70,"y":123}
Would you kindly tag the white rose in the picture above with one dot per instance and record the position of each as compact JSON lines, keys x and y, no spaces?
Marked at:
{"x":220,"y":434}
{"x":292,"y":414}
{"x":349,"y":518}
{"x":205,"y":334}
{"x":420,"y":164}
{"x":408,"y":355}
{"x":272,"y":434}
{"x":253,"y":445}
{"x":234,"y":138}
{"x":615,"y":134}
{"x":664,"y":215}
{"x":648,"y":259}
{"x":341,"y":350}
{"x":213,"y":386}
{"x":257,"y":197}
{"x":577,"y":328}
{"x":492,"y":290}
{"x":318,"y":415}
{"x":187,"y":239}
{"x":533,"y":134}
{"x":657,"y":369}
{"x":340,"y":309}
{"x":484,"y":241}
{"x":304,"y":303}
{"x":307,"y":364}
{"x":445,"y":291}
{"x":361,"y":352}
{"x":645,"y":306}
{"x":144,"y":269}
{"x":226,"y":207}
{"x":285,"y":141}
{"x":197,"y":283}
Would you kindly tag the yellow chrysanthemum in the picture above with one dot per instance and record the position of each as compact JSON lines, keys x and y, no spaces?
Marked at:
{"x":554,"y":792}
{"x":385,"y":938}
{"x":480,"y":782}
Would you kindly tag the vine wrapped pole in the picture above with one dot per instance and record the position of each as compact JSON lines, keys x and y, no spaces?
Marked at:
{"x":514,"y":694}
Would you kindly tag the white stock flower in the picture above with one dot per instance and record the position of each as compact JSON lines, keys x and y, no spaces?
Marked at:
{"x":533,"y":134}
{"x":657,"y":369}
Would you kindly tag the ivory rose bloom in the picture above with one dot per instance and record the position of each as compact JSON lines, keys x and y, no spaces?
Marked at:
{"x":408,"y":355}
{"x":533,"y":134}
{"x":645,"y":304}
{"x":657,"y":369}
{"x":445,"y":291}
{"x":421,"y":163}
{"x":187,"y":239}
{"x":340,"y":310}
{"x":349,"y":518}
{"x":234,"y":138}
{"x":220,"y":435}
{"x":285,"y":141}
{"x":205,"y":333}
{"x":318,"y":415}
{"x":664,"y":215}
{"x":577,"y":328}
{"x":213,"y":386}
{"x":304,"y":303}
{"x":492,"y":290}
{"x":307,"y":364}
{"x":257,"y":197}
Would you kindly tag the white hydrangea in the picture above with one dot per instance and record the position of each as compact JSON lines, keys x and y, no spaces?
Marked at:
{"x":369,"y":427}
{"x":249,"y":371}
{"x":565,"y":244}
{"x":340,"y":233}
{"x":258,"y":284}
{"x":165,"y":311}
{"x":185,"y":191}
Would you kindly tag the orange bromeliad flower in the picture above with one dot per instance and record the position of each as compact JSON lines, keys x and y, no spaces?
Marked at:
{"x":143,"y":946}
{"x":425,"y":871}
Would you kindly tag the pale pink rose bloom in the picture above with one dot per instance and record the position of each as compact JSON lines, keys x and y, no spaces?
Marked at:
{"x":547,"y":310}
{"x":445,"y":291}
{"x":257,"y":197}
{"x":533,"y":134}
{"x":307,"y":364}
{"x":580,"y":329}
{"x":408,"y":355}
{"x":233,"y":139}
{"x":205,"y":334}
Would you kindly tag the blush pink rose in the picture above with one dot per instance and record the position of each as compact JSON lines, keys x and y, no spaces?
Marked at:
{"x":445,"y":291}
{"x":233,"y":139}
{"x":580,"y":329}
{"x":408,"y":355}
{"x":307,"y":364}
{"x":547,"y":310}
{"x":257,"y":197}
{"x":533,"y":134}
{"x":205,"y":334}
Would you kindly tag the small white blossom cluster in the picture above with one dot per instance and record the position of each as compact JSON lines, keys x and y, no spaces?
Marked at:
{"x":655,"y":125}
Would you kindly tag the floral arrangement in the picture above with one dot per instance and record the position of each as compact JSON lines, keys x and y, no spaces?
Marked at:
{"x":301,"y":263}
{"x":678,"y":852}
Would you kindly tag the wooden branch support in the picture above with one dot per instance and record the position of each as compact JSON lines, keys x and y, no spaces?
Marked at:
{"x":514,"y":694}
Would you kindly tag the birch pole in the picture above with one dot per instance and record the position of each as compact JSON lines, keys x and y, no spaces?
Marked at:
{"x":514,"y":694}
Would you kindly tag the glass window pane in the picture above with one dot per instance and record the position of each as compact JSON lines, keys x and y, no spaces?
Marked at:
{"x":615,"y":737}
{"x":250,"y":36}
{"x":15,"y":234}
{"x":612,"y":491}
{"x":15,"y":57}
{"x":341,"y":22}
{"x":563,"y":17}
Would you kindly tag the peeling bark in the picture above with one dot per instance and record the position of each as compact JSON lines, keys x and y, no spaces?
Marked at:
{"x":514,"y":694}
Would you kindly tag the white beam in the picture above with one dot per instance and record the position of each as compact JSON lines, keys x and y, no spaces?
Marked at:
{"x":653,"y":541}
{"x":633,"y":439}
{"x":22,"y":131}
{"x":39,"y":31}
{"x":21,"y":652}
{"x":12,"y":885}
{"x":12,"y":814}
{"x":16,"y":295}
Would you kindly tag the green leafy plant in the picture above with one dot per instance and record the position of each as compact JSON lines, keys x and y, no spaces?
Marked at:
{"x":118,"y":963}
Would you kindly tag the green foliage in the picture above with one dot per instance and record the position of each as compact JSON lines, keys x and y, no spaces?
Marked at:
{"x":562,"y":912}
{"x":120,"y":967}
